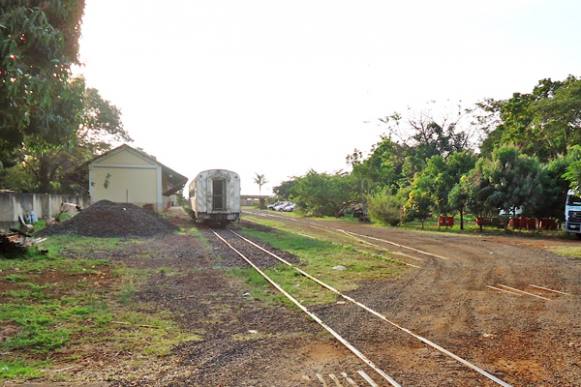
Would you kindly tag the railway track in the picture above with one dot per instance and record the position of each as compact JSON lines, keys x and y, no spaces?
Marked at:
{"x":233,"y":239}
{"x":344,"y":233}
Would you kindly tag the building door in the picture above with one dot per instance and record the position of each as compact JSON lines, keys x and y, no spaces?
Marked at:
{"x":218,"y":195}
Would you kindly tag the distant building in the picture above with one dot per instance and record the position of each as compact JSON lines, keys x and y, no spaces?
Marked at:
{"x":254,"y":200}
{"x":128,"y":175}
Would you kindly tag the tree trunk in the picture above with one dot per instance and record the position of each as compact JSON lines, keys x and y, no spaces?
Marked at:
{"x":43,"y":175}
{"x":423,"y":223}
{"x":461,"y":219}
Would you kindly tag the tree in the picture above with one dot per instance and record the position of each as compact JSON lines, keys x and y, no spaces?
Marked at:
{"x":50,"y":123}
{"x":573,"y":172}
{"x":55,"y":167}
{"x":436,"y":182}
{"x":459,"y":196}
{"x":384,"y":208}
{"x":284,"y":189}
{"x":543,"y":123}
{"x":260,"y":180}
{"x":555,"y":188}
{"x":420,"y":200}
{"x":430,"y":135}
{"x":479,"y":192}
{"x":323,"y":193}
{"x":557,"y":116}
{"x":38,"y":45}
{"x":442,"y":174}
{"x":516,"y":180}
{"x":383,"y":168}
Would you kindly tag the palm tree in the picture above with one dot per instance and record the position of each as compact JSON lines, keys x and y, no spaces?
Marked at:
{"x":260,"y":180}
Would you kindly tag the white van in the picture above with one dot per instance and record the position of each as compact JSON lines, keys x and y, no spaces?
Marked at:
{"x":573,"y":213}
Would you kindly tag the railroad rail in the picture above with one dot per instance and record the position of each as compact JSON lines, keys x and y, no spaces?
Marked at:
{"x":313,"y":316}
{"x":355,"y":235}
{"x":519,"y":292}
{"x":345,"y":233}
{"x":424,"y":340}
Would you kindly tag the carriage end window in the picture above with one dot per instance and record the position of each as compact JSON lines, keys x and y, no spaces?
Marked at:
{"x":218,"y":194}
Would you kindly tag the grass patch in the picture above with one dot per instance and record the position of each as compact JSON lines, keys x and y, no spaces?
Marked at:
{"x":18,"y":369}
{"x":48,"y":324}
{"x":152,"y":333}
{"x":49,"y":255}
{"x":318,"y":257}
{"x":15,"y":278}
{"x":40,"y":225}
{"x":30,"y":291}
{"x":196,"y":233}
{"x":568,"y":251}
{"x":67,"y":311}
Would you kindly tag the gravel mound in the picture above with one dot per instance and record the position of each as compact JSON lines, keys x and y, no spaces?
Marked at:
{"x":108,"y":219}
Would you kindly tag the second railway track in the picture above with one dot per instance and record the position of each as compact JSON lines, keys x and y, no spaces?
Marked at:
{"x":466,"y":372}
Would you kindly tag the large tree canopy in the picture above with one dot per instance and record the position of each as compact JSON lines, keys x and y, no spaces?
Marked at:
{"x":38,"y":45}
{"x":543,"y":123}
{"x":50,"y":122}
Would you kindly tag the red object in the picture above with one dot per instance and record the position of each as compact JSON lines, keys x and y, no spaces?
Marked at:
{"x":547,"y":224}
{"x":441,"y":220}
{"x":532,"y":223}
{"x":450,"y":221}
{"x":479,"y":221}
{"x":515,"y":223}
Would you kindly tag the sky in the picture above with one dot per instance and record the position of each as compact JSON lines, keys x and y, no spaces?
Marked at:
{"x":280,"y":87}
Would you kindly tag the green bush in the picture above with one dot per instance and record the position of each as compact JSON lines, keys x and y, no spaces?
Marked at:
{"x":384,"y":208}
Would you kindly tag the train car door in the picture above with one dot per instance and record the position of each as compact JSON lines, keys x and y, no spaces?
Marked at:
{"x":218,"y":194}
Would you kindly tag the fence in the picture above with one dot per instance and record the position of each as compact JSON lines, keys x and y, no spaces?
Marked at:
{"x":13,"y":204}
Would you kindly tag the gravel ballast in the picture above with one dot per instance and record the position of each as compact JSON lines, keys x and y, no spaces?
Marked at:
{"x":108,"y":219}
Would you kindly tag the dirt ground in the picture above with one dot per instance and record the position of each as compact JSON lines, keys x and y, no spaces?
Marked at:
{"x":523,"y":339}
{"x":242,"y":341}
{"x":245,"y":342}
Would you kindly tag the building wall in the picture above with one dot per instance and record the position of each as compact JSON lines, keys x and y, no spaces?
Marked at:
{"x":13,"y":204}
{"x":126,"y":177}
{"x":124,"y":185}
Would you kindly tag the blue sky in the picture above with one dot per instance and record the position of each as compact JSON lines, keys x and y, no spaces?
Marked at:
{"x":278,"y":87}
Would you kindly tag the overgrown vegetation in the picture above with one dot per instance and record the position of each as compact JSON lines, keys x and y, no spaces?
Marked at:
{"x":529,"y":156}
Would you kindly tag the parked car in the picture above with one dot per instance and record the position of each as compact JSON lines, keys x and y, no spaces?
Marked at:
{"x":275,"y":204}
{"x":281,"y":206}
{"x":290,"y":207}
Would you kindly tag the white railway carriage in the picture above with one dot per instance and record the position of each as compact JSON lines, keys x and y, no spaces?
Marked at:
{"x":215,"y":196}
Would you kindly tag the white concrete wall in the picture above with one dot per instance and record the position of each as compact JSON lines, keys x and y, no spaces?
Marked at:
{"x":44,"y":205}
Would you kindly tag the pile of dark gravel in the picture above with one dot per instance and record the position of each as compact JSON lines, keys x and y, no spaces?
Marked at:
{"x":108,"y":219}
